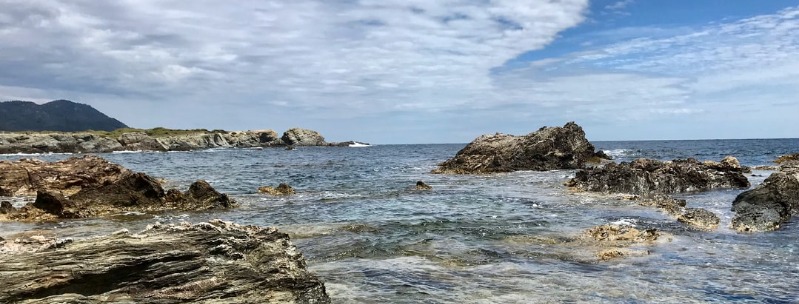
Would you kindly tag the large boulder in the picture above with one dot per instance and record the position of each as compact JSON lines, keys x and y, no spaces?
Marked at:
{"x":201,"y":263}
{"x":770,"y":204}
{"x":27,"y":176}
{"x":646,"y":176}
{"x":548,"y":148}
{"x":303,"y":137}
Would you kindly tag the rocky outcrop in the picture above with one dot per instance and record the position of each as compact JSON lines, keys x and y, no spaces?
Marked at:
{"x":280,"y":190}
{"x":646,"y":176}
{"x":767,"y":206}
{"x":27,"y":176}
{"x":179,"y":140}
{"x":303,"y":137}
{"x":548,"y":148}
{"x":96,"y":187}
{"x":202,"y":263}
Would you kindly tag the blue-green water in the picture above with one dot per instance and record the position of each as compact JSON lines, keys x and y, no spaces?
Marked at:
{"x":476,"y":239}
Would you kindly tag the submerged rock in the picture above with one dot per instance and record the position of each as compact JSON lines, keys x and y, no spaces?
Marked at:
{"x":646,"y":176}
{"x":282,"y":189}
{"x":420,"y":185}
{"x":548,"y":148}
{"x":616,"y":241}
{"x":770,"y":204}
{"x":203,"y":263}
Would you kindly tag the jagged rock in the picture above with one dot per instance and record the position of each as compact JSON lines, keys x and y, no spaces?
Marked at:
{"x":303,"y":137}
{"x":282,"y":189}
{"x":56,"y":204}
{"x":699,"y":218}
{"x":420,"y":185}
{"x":767,"y":206}
{"x":646,"y":176}
{"x":27,"y":176}
{"x":203,"y":263}
{"x":546,"y":149}
{"x":115,"y":190}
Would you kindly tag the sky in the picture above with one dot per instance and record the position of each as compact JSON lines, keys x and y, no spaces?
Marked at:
{"x":415,"y":71}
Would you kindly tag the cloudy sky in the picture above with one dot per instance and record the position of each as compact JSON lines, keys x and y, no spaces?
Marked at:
{"x":415,"y":71}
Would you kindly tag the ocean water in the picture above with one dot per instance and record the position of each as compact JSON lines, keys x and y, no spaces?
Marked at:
{"x":475,"y":239}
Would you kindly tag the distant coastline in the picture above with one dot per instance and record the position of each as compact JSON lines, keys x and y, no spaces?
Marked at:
{"x":157,"y":139}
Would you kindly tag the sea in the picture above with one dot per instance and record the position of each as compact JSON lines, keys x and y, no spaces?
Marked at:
{"x":500,"y":238}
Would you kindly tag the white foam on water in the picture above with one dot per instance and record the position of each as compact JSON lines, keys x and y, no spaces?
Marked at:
{"x":128,"y":152}
{"x":625,"y":222}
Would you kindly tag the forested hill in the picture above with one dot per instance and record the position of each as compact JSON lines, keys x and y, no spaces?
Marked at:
{"x":58,"y":115}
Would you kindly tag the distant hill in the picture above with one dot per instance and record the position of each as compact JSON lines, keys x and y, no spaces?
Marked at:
{"x":57,"y":115}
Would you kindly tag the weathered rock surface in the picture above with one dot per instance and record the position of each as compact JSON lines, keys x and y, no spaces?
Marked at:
{"x":139,"y":141}
{"x":646,"y":176}
{"x":282,"y":189}
{"x":699,"y":218}
{"x":548,"y":148}
{"x":616,"y":241}
{"x":303,"y":137}
{"x":204,"y":263}
{"x":420,"y":185}
{"x":696,"y":218}
{"x":96,"y":188}
{"x":767,"y":206}
{"x":27,"y":176}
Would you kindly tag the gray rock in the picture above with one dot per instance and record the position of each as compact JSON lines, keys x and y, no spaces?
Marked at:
{"x":202,"y":263}
{"x":699,"y":218}
{"x":546,"y":149}
{"x":646,"y":176}
{"x":770,"y":204}
{"x":303,"y":137}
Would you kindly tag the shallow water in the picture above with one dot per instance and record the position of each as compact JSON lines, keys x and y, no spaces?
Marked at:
{"x":475,"y":239}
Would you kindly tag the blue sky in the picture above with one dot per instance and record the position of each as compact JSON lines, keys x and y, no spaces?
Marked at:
{"x":415,"y":71}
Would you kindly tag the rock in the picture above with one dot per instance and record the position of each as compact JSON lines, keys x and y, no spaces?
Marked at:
{"x":420,"y":185}
{"x":696,"y":218}
{"x":548,"y":148}
{"x":6,"y":208}
{"x":699,"y":218}
{"x":613,"y":241}
{"x":102,"y":195}
{"x":158,"y":139}
{"x":27,"y":176}
{"x":56,"y":204}
{"x":646,"y":176}
{"x":789,"y":158}
{"x":282,"y":189}
{"x":303,"y":137}
{"x":202,"y":194}
{"x":767,"y":206}
{"x":202,"y":263}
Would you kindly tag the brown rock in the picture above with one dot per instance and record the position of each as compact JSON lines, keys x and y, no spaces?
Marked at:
{"x":56,"y":204}
{"x":27,"y":176}
{"x":282,"y":189}
{"x":6,"y":207}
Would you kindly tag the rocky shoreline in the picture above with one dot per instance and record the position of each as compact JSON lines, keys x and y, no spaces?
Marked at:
{"x":221,"y":261}
{"x":140,"y":140}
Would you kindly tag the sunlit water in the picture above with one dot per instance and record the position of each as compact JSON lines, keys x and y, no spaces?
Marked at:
{"x":475,"y":239}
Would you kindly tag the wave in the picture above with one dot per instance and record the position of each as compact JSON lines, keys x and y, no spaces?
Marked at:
{"x":616,"y":153}
{"x":359,"y":145}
